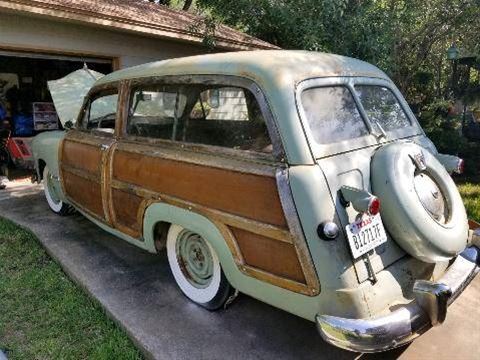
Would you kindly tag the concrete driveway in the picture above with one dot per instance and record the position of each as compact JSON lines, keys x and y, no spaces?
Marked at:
{"x":137,"y":290}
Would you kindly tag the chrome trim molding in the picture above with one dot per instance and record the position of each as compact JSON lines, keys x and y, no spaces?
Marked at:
{"x":406,"y":323}
{"x":293,"y":221}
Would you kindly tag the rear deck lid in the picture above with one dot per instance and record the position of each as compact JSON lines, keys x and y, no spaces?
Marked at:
{"x":346,"y":120}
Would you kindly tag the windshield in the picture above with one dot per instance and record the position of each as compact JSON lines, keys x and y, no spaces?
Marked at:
{"x":333,"y":116}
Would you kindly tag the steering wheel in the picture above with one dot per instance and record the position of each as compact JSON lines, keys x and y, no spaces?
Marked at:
{"x":102,"y":118}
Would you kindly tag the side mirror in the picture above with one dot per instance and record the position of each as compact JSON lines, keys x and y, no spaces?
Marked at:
{"x":68,"y":125}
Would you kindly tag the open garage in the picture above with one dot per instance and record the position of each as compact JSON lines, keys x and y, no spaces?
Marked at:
{"x":42,"y":41}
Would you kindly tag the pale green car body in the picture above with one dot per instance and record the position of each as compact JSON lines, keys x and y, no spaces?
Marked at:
{"x":345,"y":290}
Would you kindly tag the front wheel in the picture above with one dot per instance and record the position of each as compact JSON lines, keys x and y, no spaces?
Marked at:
{"x":51,"y":194}
{"x":196,"y":268}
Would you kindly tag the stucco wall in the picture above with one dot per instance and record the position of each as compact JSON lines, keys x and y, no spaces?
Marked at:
{"x":48,"y":34}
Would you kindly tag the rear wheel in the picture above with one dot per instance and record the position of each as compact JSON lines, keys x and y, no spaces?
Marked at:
{"x":196,"y":268}
{"x":51,"y":194}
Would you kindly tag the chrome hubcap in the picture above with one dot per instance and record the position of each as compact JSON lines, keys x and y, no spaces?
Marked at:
{"x":431,"y":197}
{"x":51,"y":189}
{"x":195,"y":259}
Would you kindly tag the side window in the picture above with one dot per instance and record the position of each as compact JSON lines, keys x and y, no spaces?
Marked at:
{"x":210,"y":115}
{"x":155,"y":111}
{"x":101,"y":112}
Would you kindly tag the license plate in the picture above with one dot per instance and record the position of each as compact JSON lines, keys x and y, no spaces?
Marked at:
{"x":365,"y":234}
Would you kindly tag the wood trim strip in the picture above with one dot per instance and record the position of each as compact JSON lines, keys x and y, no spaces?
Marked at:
{"x":256,"y":227}
{"x":285,"y":283}
{"x":106,"y":175}
{"x":84,"y":137}
{"x":81,"y":173}
{"x":211,"y":156}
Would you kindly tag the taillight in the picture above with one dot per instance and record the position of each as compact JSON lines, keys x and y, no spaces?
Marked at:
{"x":373,"y":206}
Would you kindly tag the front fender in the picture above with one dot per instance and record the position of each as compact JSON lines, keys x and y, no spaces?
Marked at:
{"x":45,"y":147}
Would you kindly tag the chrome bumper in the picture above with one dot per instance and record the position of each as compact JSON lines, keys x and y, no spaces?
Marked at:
{"x":406,"y":323}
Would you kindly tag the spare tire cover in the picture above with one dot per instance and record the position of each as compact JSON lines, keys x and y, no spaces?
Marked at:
{"x":421,"y":206}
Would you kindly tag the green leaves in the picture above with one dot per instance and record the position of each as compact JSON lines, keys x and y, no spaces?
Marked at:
{"x":400,"y":36}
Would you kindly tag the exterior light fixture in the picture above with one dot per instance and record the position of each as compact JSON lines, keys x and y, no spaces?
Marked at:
{"x":453,"y":52}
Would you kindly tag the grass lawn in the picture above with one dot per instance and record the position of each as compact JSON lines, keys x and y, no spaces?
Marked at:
{"x":471,"y":198}
{"x":43,"y":314}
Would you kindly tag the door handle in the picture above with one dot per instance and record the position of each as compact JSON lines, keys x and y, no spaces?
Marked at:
{"x":104,"y":147}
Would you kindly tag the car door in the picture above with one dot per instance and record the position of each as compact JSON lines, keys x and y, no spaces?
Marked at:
{"x":84,"y":154}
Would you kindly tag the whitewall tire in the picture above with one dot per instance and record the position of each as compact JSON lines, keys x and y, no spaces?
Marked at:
{"x":196,"y":268}
{"x":51,"y":194}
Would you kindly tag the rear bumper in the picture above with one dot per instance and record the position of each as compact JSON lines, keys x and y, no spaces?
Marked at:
{"x":407,"y":322}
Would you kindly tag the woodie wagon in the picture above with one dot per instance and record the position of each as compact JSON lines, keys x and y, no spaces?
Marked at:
{"x":301,"y":179}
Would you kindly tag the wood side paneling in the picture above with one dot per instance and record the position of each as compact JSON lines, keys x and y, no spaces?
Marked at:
{"x":82,"y":156}
{"x":126,"y":206}
{"x":247,"y":195}
{"x":270,"y":255}
{"x":84,"y":192}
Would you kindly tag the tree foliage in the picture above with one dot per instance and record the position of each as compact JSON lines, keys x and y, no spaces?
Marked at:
{"x":406,"y":38}
{"x":184,"y":5}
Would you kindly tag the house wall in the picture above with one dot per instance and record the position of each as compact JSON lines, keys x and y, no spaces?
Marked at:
{"x":232,"y":105}
{"x":30,"y":33}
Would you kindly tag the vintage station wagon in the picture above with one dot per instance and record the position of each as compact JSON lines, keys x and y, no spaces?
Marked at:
{"x":301,"y":179}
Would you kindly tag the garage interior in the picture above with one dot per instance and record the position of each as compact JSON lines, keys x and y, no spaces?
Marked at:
{"x":25,"y":101}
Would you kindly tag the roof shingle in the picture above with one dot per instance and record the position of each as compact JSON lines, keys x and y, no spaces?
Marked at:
{"x":141,"y":16}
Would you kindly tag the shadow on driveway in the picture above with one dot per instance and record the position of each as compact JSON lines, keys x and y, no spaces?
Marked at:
{"x":137,"y":290}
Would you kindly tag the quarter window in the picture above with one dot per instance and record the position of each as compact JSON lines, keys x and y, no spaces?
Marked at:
{"x":211,"y":115}
{"x":332,"y":114}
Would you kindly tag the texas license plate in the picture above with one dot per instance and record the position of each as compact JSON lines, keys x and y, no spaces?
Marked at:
{"x":365,"y":234}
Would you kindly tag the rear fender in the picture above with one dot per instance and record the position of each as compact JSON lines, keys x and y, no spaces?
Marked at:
{"x":192,"y":221}
{"x":298,"y":304}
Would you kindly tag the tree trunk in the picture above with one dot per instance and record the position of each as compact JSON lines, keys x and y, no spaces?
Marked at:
{"x":187,"y":4}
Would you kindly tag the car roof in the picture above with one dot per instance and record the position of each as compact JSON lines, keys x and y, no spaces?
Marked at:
{"x":261,"y":65}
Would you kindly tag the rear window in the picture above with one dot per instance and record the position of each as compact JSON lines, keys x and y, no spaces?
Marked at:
{"x":332,"y":114}
{"x":382,"y":107}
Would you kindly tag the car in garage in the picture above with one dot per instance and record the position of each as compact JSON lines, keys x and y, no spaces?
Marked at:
{"x":301,"y":179}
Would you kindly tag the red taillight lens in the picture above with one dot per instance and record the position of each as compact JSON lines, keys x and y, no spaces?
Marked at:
{"x":374,"y":206}
{"x":461,"y":166}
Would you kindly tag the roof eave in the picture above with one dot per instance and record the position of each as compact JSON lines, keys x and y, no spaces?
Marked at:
{"x":151,"y":30}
